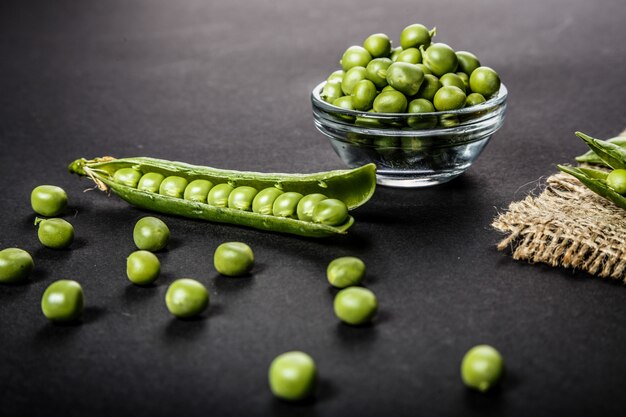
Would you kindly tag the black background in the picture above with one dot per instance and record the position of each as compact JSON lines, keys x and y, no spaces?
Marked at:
{"x":227,"y":84}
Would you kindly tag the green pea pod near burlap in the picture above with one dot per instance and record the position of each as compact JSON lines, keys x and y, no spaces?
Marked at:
{"x":577,"y":221}
{"x":353,"y":187}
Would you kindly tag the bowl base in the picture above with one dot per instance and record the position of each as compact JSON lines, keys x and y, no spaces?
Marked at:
{"x":407,"y":180}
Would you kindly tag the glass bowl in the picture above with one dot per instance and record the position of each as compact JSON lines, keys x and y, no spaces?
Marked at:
{"x":410,"y":150}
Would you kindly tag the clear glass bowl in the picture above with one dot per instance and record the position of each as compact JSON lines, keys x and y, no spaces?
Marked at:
{"x":410,"y":150}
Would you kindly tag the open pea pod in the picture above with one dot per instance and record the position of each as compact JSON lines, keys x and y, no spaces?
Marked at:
{"x":596,"y":181}
{"x":352,"y":187}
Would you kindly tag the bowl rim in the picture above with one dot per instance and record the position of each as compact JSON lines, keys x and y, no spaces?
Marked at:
{"x":492,"y":103}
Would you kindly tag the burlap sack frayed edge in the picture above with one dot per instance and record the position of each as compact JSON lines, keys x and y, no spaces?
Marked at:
{"x":567,"y":225}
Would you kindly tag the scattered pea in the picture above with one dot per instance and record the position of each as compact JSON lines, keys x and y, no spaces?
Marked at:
{"x":151,"y":234}
{"x":233,"y":259}
{"x":345,"y":272}
{"x":292,"y":376}
{"x":55,"y":233}
{"x":48,"y":200}
{"x":63,"y":301}
{"x":142,"y":267}
{"x":15,"y":265}
{"x":186,"y":298}
{"x":355,"y":305}
{"x":482,"y":367}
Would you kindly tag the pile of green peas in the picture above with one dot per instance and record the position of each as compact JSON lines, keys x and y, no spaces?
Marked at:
{"x":270,"y":201}
{"x":418,"y":76}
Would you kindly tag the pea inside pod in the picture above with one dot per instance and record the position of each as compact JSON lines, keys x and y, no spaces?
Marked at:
{"x":198,"y":190}
{"x":218,"y":196}
{"x":150,"y":182}
{"x":264,"y":201}
{"x":286,"y":204}
{"x":128,"y":176}
{"x":307,"y":204}
{"x":241,"y":198}
{"x":173,"y":186}
{"x":330,"y":211}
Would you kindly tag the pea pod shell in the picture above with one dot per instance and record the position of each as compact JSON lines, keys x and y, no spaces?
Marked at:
{"x":592,"y":179}
{"x":353,"y":187}
{"x":612,"y":154}
{"x":590,"y":156}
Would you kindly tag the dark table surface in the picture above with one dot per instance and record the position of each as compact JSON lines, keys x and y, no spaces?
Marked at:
{"x":227,"y":84}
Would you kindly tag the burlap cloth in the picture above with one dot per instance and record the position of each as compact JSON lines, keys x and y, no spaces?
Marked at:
{"x":567,"y":225}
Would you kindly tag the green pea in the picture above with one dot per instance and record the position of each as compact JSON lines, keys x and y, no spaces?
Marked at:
{"x":55,"y":233}
{"x":482,"y":367}
{"x":355,"y":305}
{"x":173,"y":186}
{"x":150,"y":182}
{"x":218,"y":196}
{"x":416,"y":35}
{"x":63,"y":301}
{"x":451,"y":79}
{"x":292,"y":376}
{"x":429,"y":87}
{"x":336,"y":76}
{"x":468,"y":62}
{"x":412,"y":144}
{"x":364,"y":121}
{"x":394,"y":53}
{"x":373,"y":69}
{"x":344,"y":102}
{"x":151,"y":234}
{"x":233,"y":259}
{"x":286,"y":204}
{"x":424,"y":69}
{"x":474,"y":99}
{"x":355,"y":56}
{"x":404,"y":77}
{"x":198,"y":190}
{"x":332,"y":212}
{"x":363,"y":95}
{"x":440,"y":59}
{"x":331,"y":91}
{"x":378,"y":45}
{"x":142,"y":267}
{"x":449,"y":120}
{"x":465,"y":78}
{"x":485,"y":81}
{"x":449,"y":98}
{"x":351,"y":77}
{"x":48,"y":200}
{"x":186,"y":298}
{"x":127,"y":176}
{"x":390,"y":102}
{"x":15,"y":265}
{"x":241,"y":198}
{"x":307,"y":204}
{"x":617,"y":180}
{"x":345,"y":272}
{"x":264,"y":200}
{"x":421,"y":105}
{"x":388,"y":88}
{"x":410,"y":55}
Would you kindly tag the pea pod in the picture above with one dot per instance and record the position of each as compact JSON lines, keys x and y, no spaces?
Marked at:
{"x":590,"y":156}
{"x":612,"y":154}
{"x":596,"y":181}
{"x":352,"y":187}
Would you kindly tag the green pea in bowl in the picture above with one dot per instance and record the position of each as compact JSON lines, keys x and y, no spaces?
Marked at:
{"x":410,"y":149}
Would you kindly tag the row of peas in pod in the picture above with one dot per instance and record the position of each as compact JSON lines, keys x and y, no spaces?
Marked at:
{"x":418,"y":76}
{"x":270,"y":201}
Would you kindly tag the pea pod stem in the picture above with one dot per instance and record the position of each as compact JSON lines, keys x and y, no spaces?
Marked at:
{"x":353,"y":187}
